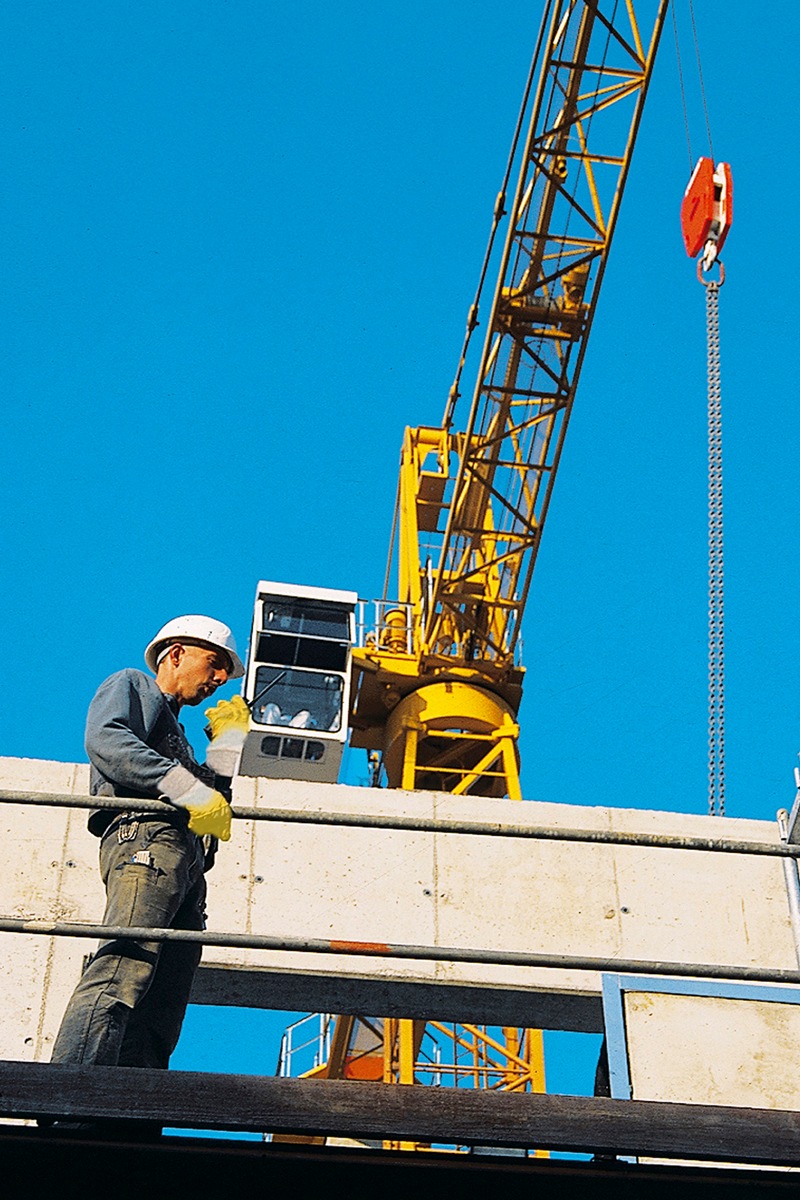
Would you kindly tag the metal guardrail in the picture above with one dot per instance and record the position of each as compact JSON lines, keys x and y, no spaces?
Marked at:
{"x":450,"y":954}
{"x":291,"y":816}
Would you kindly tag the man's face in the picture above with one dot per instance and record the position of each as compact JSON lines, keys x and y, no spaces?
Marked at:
{"x":198,"y":672}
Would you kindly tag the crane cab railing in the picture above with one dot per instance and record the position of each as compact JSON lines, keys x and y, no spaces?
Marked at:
{"x":386,"y":625}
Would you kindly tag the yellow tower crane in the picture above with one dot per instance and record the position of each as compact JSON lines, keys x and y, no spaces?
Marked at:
{"x":436,"y":678}
{"x":437,"y":682}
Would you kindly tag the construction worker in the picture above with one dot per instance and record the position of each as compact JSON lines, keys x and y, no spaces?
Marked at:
{"x":129,"y":1005}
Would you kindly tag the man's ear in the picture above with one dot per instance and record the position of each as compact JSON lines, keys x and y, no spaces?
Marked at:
{"x":176,"y":653}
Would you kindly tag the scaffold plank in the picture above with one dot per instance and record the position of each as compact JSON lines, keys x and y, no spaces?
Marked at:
{"x":439,"y":1116}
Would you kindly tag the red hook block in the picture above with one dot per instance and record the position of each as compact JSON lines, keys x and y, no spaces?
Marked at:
{"x":707,"y":209}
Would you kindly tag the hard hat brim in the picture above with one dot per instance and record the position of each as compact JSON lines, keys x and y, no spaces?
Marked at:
{"x":154,"y":649}
{"x":195,"y":630}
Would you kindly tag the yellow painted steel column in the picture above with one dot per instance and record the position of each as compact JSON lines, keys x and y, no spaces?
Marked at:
{"x":534,"y":1052}
{"x":405,"y":1038}
{"x":409,"y":778}
{"x":389,"y":1031}
{"x":511,"y":768}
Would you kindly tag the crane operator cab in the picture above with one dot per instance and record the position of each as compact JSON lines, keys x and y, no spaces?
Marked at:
{"x":297,"y":682}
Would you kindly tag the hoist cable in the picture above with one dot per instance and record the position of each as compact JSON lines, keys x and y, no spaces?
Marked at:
{"x":499,"y":213}
{"x":716,"y":583}
{"x":700,"y":75}
{"x":682,"y":87}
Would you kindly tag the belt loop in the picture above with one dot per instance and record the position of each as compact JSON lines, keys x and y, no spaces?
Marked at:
{"x":128,"y":828}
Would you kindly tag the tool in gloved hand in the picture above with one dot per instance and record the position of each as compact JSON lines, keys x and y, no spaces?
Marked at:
{"x":228,"y":723}
{"x":209,"y":811}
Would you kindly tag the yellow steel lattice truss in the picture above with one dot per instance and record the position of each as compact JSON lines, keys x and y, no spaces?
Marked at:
{"x":472,"y":501}
{"x":437,"y":681}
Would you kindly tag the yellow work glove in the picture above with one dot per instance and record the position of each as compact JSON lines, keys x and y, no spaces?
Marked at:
{"x":228,"y":723}
{"x":209,"y":811}
{"x":228,"y":715}
{"x":212,"y":818}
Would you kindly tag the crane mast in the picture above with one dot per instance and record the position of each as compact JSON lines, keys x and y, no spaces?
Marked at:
{"x":437,"y":679}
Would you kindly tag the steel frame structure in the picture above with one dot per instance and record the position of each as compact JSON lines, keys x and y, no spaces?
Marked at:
{"x":436,"y":682}
{"x":472,"y":503}
{"x":584,"y":118}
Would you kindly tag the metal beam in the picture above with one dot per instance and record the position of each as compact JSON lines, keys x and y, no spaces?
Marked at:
{"x":269,"y":987}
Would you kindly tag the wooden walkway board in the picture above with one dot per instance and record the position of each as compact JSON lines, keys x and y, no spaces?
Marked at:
{"x":372,"y":1110}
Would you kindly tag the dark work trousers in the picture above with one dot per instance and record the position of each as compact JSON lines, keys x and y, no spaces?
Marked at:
{"x":129,"y":1005}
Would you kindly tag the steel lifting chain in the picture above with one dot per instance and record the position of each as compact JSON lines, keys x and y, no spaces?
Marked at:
{"x":716,"y":582}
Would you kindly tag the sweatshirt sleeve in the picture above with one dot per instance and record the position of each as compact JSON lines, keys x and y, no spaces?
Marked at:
{"x":121,"y":716}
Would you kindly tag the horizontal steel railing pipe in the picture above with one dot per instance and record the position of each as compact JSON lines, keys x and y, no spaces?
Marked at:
{"x":455,"y":954}
{"x":400,"y":821}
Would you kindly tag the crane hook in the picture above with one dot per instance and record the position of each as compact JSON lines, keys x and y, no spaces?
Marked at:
{"x":707,"y":211}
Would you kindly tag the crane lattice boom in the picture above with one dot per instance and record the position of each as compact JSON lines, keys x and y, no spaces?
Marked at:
{"x":472,"y":501}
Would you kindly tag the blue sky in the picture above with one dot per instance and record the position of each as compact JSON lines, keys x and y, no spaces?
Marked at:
{"x":240,"y":243}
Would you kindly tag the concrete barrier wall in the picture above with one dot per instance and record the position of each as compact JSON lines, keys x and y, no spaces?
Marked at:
{"x":380,"y":885}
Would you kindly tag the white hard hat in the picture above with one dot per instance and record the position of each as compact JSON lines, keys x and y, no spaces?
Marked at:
{"x":195,"y":629}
